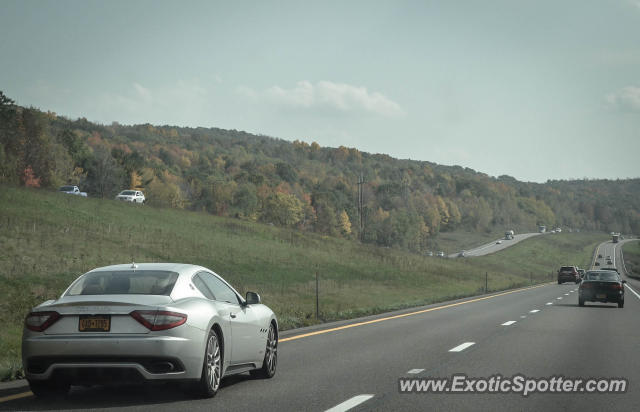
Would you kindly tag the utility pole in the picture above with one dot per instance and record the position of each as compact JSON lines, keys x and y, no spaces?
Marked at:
{"x":361,"y":205}
{"x":486,"y":282}
{"x":317,"y":297}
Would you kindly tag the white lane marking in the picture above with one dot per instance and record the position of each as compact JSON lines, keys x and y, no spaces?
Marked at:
{"x":509,"y":322}
{"x":571,"y":291}
{"x":414,"y":371}
{"x":634,"y":292}
{"x":350,"y":403}
{"x":462,"y":347}
{"x":523,"y":316}
{"x":559,"y":298}
{"x":549,"y":303}
{"x":534,"y":311}
{"x":566,"y":294}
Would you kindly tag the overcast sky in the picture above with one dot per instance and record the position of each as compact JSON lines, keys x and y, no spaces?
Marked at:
{"x":534,"y":89}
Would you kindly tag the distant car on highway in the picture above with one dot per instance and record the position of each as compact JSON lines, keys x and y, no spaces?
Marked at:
{"x":568,"y":274}
{"x":499,"y":242}
{"x":440,"y":254}
{"x":149,"y":322}
{"x":134,"y":196}
{"x":599,"y":255}
{"x":462,"y":254}
{"x":72,"y":190}
{"x":601,"y":286}
{"x":581,"y":273}
{"x":429,"y":253}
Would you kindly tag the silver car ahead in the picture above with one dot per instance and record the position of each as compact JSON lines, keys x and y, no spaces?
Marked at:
{"x":148,"y":322}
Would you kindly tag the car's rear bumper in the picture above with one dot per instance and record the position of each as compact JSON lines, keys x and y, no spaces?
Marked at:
{"x":88,"y":358}
{"x":602,"y":296}
{"x":567,"y":278}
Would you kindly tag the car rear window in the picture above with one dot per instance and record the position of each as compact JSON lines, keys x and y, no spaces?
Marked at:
{"x":121,"y":282}
{"x":566,"y":269}
{"x":604,"y":276}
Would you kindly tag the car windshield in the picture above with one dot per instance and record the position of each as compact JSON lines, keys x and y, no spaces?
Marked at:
{"x":604,"y":276}
{"x":125,"y":282}
{"x":66,"y":189}
{"x":566,"y":269}
{"x":128,"y":192}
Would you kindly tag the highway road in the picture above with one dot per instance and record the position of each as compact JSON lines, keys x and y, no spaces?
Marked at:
{"x":538,"y":332}
{"x":494,"y":246}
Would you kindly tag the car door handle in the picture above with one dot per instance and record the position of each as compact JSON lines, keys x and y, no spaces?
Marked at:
{"x":233,"y":315}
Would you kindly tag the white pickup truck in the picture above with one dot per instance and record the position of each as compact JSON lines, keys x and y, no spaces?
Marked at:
{"x":72,"y":190}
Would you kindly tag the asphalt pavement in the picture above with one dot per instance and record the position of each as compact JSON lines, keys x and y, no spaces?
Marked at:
{"x":535,"y":332}
{"x":494,"y":246}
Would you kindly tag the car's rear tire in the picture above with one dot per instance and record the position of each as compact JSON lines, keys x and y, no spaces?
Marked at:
{"x":211,"y":375}
{"x":580,"y":302}
{"x":621,"y":303}
{"x":49,"y":389}
{"x":559,"y":282}
{"x":270,"y":361}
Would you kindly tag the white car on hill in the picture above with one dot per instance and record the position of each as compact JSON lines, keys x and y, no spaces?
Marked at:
{"x":133,"y":196}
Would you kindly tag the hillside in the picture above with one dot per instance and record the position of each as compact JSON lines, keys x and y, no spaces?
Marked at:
{"x":341,"y":192}
{"x":48,"y":239}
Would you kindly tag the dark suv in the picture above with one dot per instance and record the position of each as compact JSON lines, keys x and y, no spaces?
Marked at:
{"x":568,"y":274}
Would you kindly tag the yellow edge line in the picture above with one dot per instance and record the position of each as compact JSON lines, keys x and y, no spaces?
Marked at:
{"x":353,"y":325}
{"x":16,"y":396}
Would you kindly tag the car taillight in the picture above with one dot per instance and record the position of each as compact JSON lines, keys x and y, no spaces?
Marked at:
{"x":616,"y":286}
{"x":39,"y":321}
{"x":158,"y":319}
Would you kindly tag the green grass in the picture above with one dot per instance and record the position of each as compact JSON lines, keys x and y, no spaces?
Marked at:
{"x":631,"y":252}
{"x":48,"y":239}
{"x":452,"y":242}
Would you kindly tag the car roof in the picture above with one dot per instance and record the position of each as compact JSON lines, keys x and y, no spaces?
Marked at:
{"x":605,"y":270}
{"x":172,"y":267}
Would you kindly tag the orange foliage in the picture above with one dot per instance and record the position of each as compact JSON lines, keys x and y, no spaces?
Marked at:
{"x":29,"y":178}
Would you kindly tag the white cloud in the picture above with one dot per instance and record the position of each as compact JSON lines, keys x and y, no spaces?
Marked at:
{"x":326,"y":95}
{"x":142,"y":92}
{"x":628,"y":98}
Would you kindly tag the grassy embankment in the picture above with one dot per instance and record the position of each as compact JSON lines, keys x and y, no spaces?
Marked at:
{"x":631,"y":253}
{"x":48,"y":239}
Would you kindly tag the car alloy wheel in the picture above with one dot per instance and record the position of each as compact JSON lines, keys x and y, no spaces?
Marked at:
{"x":272,"y":351}
{"x":211,"y":368}
{"x":270,"y":361}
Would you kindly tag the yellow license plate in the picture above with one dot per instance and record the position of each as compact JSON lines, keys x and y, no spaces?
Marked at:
{"x":601,"y":296}
{"x":94,"y":323}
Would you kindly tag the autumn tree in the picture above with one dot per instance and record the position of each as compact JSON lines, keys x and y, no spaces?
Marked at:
{"x":282,"y":209}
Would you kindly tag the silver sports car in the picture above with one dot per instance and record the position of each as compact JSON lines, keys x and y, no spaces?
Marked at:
{"x":148,"y":322}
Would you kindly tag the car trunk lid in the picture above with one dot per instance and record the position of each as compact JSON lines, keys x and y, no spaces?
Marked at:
{"x":100,"y":314}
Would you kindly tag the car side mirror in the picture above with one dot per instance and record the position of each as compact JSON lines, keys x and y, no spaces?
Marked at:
{"x":252,"y":298}
{"x":624,"y":281}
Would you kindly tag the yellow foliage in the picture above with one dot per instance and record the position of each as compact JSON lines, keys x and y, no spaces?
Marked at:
{"x":136,"y":180}
{"x":345,"y":223}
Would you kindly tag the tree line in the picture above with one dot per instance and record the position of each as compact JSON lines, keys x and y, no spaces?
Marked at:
{"x":400,"y":203}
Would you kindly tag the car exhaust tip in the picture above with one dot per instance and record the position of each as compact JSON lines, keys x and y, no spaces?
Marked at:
{"x":161,"y":367}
